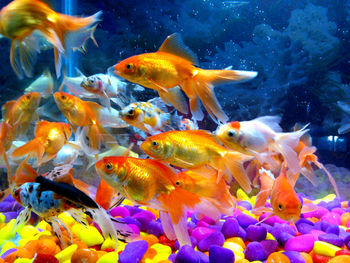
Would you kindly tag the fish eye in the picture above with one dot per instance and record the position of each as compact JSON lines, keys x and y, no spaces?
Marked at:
{"x":28,"y":97}
{"x":92,"y":81}
{"x":129,"y":66}
{"x":280,"y":206}
{"x":177,"y":183}
{"x":230,"y":134}
{"x":154,"y":143}
{"x":131,"y":111}
{"x":109,"y":166}
{"x":63,"y":97}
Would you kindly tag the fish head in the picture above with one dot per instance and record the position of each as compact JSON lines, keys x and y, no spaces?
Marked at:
{"x":112,"y":169}
{"x":231,"y":135}
{"x":64,"y":101}
{"x":17,"y":195}
{"x":131,"y":69}
{"x":131,"y":113}
{"x":30,"y":101}
{"x":92,"y":84}
{"x":158,"y":146}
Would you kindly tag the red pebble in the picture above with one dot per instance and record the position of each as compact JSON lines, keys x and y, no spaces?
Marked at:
{"x":342,"y":252}
{"x":348,"y":230}
{"x":298,"y":234}
{"x":96,"y":247}
{"x":109,"y":249}
{"x":320,"y":259}
{"x":44,"y":258}
{"x":120,"y":252}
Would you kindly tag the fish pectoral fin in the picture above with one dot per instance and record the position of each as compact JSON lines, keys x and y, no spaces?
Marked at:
{"x":167,"y":225}
{"x":261,"y":198}
{"x":308,"y":208}
{"x":104,"y":194}
{"x":21,"y":219}
{"x":260,"y":210}
{"x":175,"y":97}
{"x":159,"y":87}
{"x":15,"y":59}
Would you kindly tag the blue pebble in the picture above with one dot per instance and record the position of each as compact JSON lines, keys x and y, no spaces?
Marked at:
{"x":216,"y":238}
{"x":333,"y":229}
{"x":186,"y":254}
{"x":193,"y":242}
{"x":255,"y":251}
{"x":172,"y":257}
{"x":331,"y":239}
{"x":133,"y":252}
{"x":294,"y":257}
{"x":256,"y":233}
{"x":283,"y":238}
{"x":221,"y":254}
{"x":246,"y":220}
{"x":318,"y":225}
{"x":133,"y":209}
{"x":155,"y":228}
{"x":230,"y":228}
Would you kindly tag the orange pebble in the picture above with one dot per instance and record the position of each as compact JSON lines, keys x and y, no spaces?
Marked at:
{"x":237,"y":240}
{"x":277,"y":257}
{"x":340,"y":259}
{"x":100,"y":253}
{"x":150,"y":253}
{"x":81,"y":244}
{"x":84,"y":255}
{"x":151,"y":240}
{"x":344,"y":204}
{"x":306,"y":257}
{"x":46,"y":246}
{"x":344,"y":219}
{"x":1,"y":260}
{"x":153,"y":211}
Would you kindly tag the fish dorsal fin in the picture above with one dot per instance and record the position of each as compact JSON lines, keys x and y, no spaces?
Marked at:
{"x":174,"y":44}
{"x":6,"y":108}
{"x":61,"y":174}
{"x":235,"y":125}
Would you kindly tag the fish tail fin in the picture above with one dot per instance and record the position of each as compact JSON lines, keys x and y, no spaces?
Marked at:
{"x":34,"y":147}
{"x":233,"y":162}
{"x":330,"y":177}
{"x":104,"y":194}
{"x":204,"y":82}
{"x":285,"y":144}
{"x":97,"y":134}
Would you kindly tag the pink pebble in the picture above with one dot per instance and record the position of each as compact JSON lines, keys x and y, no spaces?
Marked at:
{"x":135,"y":228}
{"x":200,"y":233}
{"x":272,"y":220}
{"x":119,"y":211}
{"x":208,"y":220}
{"x":332,"y":218}
{"x":316,"y":233}
{"x":201,"y":223}
{"x":236,"y":212}
{"x":338,"y":210}
{"x":303,"y":243}
{"x":348,"y":224}
{"x":318,"y":213}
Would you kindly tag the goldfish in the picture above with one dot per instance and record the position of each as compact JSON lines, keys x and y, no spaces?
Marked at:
{"x":150,"y":182}
{"x":43,"y":84}
{"x":262,"y":135}
{"x":150,"y":116}
{"x":49,"y":139}
{"x":20,"y":113}
{"x":6,"y":139}
{"x":195,"y":148}
{"x":173,"y":65}
{"x":84,"y":114}
{"x":26,"y":22}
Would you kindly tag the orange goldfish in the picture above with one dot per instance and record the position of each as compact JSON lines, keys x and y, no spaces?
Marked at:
{"x":195,"y":148}
{"x":20,"y":113}
{"x":84,"y":114}
{"x":173,"y":65}
{"x":6,"y":138}
{"x":262,"y":135}
{"x":49,"y":139}
{"x":150,"y":182}
{"x":26,"y":21}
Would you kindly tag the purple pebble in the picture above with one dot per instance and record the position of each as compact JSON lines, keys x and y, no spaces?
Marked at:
{"x":283,"y":238}
{"x":202,"y":224}
{"x":9,"y":216}
{"x":200,"y":233}
{"x":255,"y":251}
{"x":331,"y":239}
{"x":172,"y":257}
{"x":230,"y":228}
{"x":246,"y":220}
{"x":130,"y":220}
{"x":324,"y":225}
{"x":256,"y":233}
{"x":144,"y":218}
{"x":268,"y":227}
{"x":269,"y":246}
{"x":216,"y":238}
{"x":303,"y":220}
{"x":203,"y":258}
{"x":332,"y":218}
{"x":221,"y":254}
{"x":303,"y":243}
{"x":294,"y":257}
{"x":193,"y":242}
{"x":347,"y":242}
{"x":242,"y":233}
{"x":155,"y":228}
{"x":280,"y":228}
{"x":119,"y":211}
{"x":6,"y":206}
{"x":186,"y":254}
{"x":338,"y":210}
{"x":208,"y":220}
{"x":245,"y":204}
{"x":333,"y":204}
{"x":304,"y":228}
{"x":134,"y":228}
{"x":133,"y":209}
{"x":333,"y":229}
{"x":8,"y":252}
{"x":133,"y":252}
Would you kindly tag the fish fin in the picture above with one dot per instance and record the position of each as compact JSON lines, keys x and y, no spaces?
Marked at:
{"x":4,"y":193}
{"x":308,"y":208}
{"x":330,"y":177}
{"x":6,"y":109}
{"x":24,"y":173}
{"x":21,"y":219}
{"x":195,"y":105}
{"x":105,"y":101}
{"x":78,"y":216}
{"x":175,"y":97}
{"x":95,"y":107}
{"x":344,"y":128}
{"x":167,"y":225}
{"x":104,"y":194}
{"x":55,"y":225}
{"x":233,"y":162}
{"x":97,"y":134}
{"x":173,"y":44}
{"x":124,"y":231}
{"x":34,"y":147}
{"x":28,"y":50}
{"x":158,"y":86}
{"x":49,"y":89}
{"x":306,"y":138}
{"x":58,"y":64}
{"x":261,"y":198}
{"x":271,"y":121}
{"x":260,"y":210}
{"x":15,"y":59}
{"x":180,"y":229}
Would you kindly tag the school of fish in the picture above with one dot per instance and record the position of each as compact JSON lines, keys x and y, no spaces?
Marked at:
{"x":100,"y":123}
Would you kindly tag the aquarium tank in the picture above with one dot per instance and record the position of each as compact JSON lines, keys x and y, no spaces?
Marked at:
{"x":175,"y":131}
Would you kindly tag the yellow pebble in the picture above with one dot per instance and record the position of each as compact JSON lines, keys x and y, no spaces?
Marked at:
{"x":6,"y":232}
{"x":109,"y":257}
{"x":109,"y":243}
{"x":253,"y":200}
{"x":28,"y":231}
{"x":327,"y":198}
{"x":43,"y":233}
{"x":242,"y":195}
{"x":66,"y":254}
{"x":256,"y":261}
{"x":8,"y":245}
{"x":233,"y":246}
{"x":89,"y":234}
{"x":143,"y":234}
{"x":127,"y":202}
{"x":42,"y":225}
{"x":2,"y":218}
{"x":270,"y":237}
{"x":22,"y":242}
{"x":160,"y":248}
{"x":325,"y":249}
{"x":66,"y":218}
{"x":23,"y":260}
{"x":160,"y":257}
